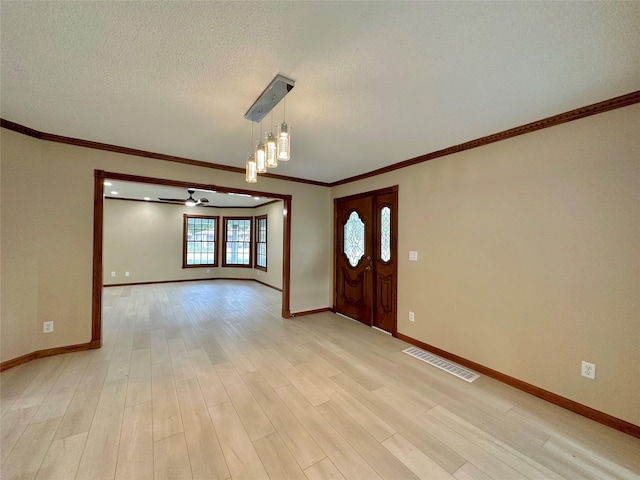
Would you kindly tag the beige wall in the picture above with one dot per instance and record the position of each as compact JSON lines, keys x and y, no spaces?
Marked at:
{"x":145,"y":239}
{"x":275,"y":237}
{"x":47,"y":252}
{"x":529,"y":258}
{"x":19,"y":258}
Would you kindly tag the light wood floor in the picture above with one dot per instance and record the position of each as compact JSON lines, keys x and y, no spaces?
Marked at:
{"x":204,"y":380}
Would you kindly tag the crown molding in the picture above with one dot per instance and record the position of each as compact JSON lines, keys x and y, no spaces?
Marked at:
{"x":571,"y":115}
{"x":50,"y":137}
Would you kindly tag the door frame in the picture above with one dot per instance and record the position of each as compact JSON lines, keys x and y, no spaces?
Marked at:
{"x":98,"y":218}
{"x":394,"y":245}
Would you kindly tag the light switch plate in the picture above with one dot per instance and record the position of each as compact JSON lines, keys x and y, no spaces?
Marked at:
{"x":413,"y":256}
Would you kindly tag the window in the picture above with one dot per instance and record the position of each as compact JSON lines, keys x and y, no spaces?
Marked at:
{"x":199,"y":241}
{"x":261,"y":243}
{"x":237,"y":242}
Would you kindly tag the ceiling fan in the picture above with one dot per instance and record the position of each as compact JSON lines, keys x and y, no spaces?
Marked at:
{"x":189,"y":202}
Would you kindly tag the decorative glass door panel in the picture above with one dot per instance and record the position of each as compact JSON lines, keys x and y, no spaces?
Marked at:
{"x":385,"y":234}
{"x":354,"y":241}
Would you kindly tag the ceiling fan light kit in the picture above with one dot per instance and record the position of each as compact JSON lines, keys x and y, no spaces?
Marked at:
{"x":272,"y":148}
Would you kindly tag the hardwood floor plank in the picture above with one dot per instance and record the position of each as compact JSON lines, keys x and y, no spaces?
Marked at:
{"x":59,"y":397}
{"x":263,"y":366}
{"x":214,"y":350}
{"x":556,"y":422}
{"x":469,"y":471}
{"x":255,"y":421}
{"x":139,"y":384}
{"x":323,"y":470}
{"x":159,"y":347}
{"x":364,"y":379}
{"x":171,"y":459}
{"x":39,"y":387}
{"x":100,"y":453}
{"x":590,"y":465}
{"x":7,"y":374}
{"x":361,"y":414}
{"x":242,"y":459}
{"x":415,"y":460}
{"x":452,"y":439}
{"x":79,"y":414}
{"x":498,"y":449}
{"x":167,"y":420}
{"x":180,"y":360}
{"x":210,"y":384}
{"x":205,"y":454}
{"x":62,"y":459}
{"x":6,"y":403}
{"x":301,"y":445}
{"x":235,"y":354}
{"x":302,"y":383}
{"x":404,"y":420}
{"x":121,"y":362}
{"x":15,"y":381}
{"x":13,"y":425}
{"x":343,"y":455}
{"x":320,"y":365}
{"x":141,"y":330}
{"x":135,"y":454}
{"x":26,"y":457}
{"x":277,"y":459}
{"x":383,"y":462}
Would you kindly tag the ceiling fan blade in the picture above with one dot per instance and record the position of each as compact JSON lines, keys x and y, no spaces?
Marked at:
{"x":180,"y":200}
{"x":203,"y":200}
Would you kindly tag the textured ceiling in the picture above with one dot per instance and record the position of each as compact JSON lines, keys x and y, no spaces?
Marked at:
{"x":376,"y":82}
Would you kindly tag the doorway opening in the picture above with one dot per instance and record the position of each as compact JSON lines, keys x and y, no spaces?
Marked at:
{"x":98,"y":228}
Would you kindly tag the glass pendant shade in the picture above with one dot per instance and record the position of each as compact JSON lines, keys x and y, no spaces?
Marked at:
{"x":261,"y":158}
{"x":252,"y":171}
{"x":270,"y":143}
{"x":284,"y":143}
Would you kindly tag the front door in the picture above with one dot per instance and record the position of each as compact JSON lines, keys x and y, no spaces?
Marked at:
{"x":366,"y":252}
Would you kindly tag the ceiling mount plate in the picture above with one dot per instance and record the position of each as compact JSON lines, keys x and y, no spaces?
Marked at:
{"x":269,"y":98}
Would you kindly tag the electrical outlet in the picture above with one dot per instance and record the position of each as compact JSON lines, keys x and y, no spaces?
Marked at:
{"x":126,"y":274}
{"x":47,"y":327}
{"x":413,"y":256}
{"x":113,"y":274}
{"x":412,"y":317}
{"x":208,"y":270}
{"x":589,"y":370}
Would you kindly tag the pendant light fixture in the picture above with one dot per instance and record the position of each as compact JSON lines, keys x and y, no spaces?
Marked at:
{"x":270,"y":145}
{"x":252,"y":172}
{"x":269,"y":149}
{"x":284,"y":136}
{"x":261,"y":155}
